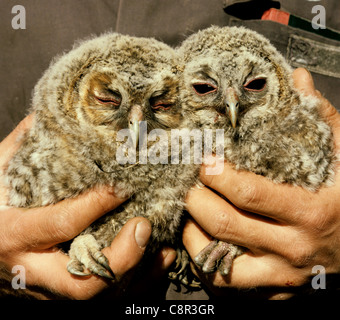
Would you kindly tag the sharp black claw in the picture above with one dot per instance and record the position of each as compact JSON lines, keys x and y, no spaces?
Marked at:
{"x":73,"y":270}
{"x":108,"y":268}
{"x":79,"y":273}
{"x":182,"y":272}
{"x":105,"y":275}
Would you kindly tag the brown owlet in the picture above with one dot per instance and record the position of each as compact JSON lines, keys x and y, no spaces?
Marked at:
{"x":235,"y":80}
{"x":103,"y":116}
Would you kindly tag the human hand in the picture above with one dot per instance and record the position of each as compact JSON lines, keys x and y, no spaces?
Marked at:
{"x":28,"y":239}
{"x":287,"y":229}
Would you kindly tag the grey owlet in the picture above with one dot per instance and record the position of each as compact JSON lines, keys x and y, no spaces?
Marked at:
{"x":89,"y":108}
{"x":235,"y":80}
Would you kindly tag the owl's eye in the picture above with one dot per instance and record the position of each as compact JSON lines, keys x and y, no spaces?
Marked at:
{"x":256,"y":84}
{"x":161,"y":106}
{"x":112,"y":98}
{"x":108,"y":101}
{"x":203,"y":88}
{"x":161,"y":102}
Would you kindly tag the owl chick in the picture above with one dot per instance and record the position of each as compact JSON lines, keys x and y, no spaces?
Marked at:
{"x":89,"y":108}
{"x":235,"y":80}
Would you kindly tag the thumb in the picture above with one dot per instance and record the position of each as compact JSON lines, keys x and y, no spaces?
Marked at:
{"x":48,"y":268}
{"x":304,"y":83}
{"x":127,"y":248}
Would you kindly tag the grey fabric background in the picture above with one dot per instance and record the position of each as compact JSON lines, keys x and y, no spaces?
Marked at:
{"x":52,"y":26}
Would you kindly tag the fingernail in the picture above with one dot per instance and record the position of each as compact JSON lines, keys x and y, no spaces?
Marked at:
{"x":142,"y":234}
{"x":308,"y":72}
{"x":169,"y":255}
{"x":310,"y":77}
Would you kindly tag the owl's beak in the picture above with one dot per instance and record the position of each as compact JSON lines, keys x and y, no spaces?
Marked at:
{"x":135,"y":116}
{"x":232,"y":106}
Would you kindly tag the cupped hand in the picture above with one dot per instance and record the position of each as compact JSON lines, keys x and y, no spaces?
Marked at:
{"x":29,"y":238}
{"x":287,"y":230}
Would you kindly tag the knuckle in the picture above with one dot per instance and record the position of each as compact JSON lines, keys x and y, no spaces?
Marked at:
{"x":223,"y":226}
{"x":300,"y":254}
{"x":60,"y":226}
{"x":103,"y":199}
{"x":246,"y":195}
{"x":329,"y":110}
{"x":207,"y":179}
{"x":320,"y":221}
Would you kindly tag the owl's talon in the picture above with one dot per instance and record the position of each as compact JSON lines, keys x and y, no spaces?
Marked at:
{"x":184,"y":275}
{"x":202,"y":256}
{"x":79,"y":274}
{"x":75,"y":267}
{"x":183,"y":258}
{"x":184,"y":280}
{"x":101,"y":259}
{"x":218,"y":252}
{"x":172,"y":275}
{"x":217,"y":255}
{"x":85,"y":252}
{"x":105,"y":275}
{"x":195,"y":284}
{"x":227,"y":260}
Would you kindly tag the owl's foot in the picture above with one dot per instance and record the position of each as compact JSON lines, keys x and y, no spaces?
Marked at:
{"x":85,"y":253}
{"x":217,"y":255}
{"x":183,"y":271}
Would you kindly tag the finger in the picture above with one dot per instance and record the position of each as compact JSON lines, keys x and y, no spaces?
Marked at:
{"x":303,"y":82}
{"x":128,"y":247}
{"x":46,"y":272}
{"x":49,"y":269}
{"x":223,"y":221}
{"x":257,"y":194}
{"x":162,"y":263}
{"x":153,"y":276}
{"x":63,"y":221}
{"x":249,"y":271}
{"x":332,"y":116}
{"x":12,"y":142}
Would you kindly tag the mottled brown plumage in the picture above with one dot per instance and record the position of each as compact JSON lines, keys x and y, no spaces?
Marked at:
{"x":92,"y":102}
{"x":87,"y":104}
{"x":235,"y":80}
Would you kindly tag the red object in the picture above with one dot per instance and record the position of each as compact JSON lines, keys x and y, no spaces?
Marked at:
{"x":276,"y":15}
